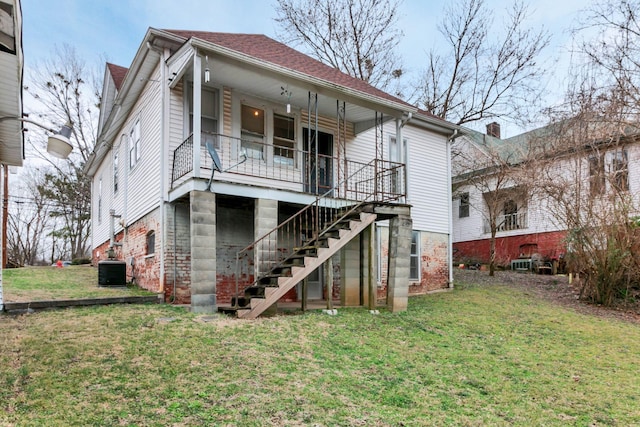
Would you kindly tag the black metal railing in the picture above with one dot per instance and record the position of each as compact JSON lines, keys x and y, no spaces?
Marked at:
{"x":383,"y":178}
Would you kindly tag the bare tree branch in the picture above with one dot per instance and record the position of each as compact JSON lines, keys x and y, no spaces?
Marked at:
{"x":358,"y":37}
{"x":480,"y":78}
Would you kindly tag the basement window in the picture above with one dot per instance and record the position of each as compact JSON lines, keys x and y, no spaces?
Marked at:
{"x":414,"y":264}
{"x":151,"y":242}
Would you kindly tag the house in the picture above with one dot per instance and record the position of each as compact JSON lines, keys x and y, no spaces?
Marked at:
{"x":11,"y":66}
{"x":574,"y":172}
{"x":231,"y":169}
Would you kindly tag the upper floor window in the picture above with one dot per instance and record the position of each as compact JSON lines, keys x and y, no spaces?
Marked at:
{"x":596,"y":175}
{"x":463,"y":209}
{"x":284,"y":139}
{"x":116,"y":162}
{"x":253,"y":132}
{"x":100,"y":200}
{"x":620,"y":170}
{"x":209,"y":114}
{"x":134,"y":144}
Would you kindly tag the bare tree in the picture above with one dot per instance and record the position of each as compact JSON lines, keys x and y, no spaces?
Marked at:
{"x":484,"y":73}
{"x":29,"y":222}
{"x":63,"y":87}
{"x":585,"y":180}
{"x":490,"y":176}
{"x":586,"y":174}
{"x":358,"y":37}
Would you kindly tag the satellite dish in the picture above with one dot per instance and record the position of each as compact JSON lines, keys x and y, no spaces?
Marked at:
{"x":217,"y":164}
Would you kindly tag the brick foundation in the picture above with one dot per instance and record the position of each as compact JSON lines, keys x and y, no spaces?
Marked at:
{"x":549,"y":245}
{"x":142,"y":268}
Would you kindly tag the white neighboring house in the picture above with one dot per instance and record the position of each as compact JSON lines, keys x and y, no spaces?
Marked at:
{"x":11,"y":66}
{"x":527,"y":225}
{"x":233,"y":169}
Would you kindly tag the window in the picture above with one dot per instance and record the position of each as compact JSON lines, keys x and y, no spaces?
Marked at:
{"x":414,"y":263}
{"x":151,"y":242}
{"x":115,"y":170}
{"x":284,"y":140}
{"x":596,"y":175}
{"x":208,"y":116}
{"x":510,"y":216}
{"x":463,"y":210}
{"x":134,"y":144}
{"x":253,"y":132}
{"x":100,"y":200}
{"x":396,"y":178}
{"x":620,"y":170}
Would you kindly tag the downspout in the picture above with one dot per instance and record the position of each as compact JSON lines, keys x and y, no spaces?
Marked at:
{"x":450,"y":140}
{"x":164,"y":146}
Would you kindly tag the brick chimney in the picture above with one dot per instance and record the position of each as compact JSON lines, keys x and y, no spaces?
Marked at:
{"x":493,"y":129}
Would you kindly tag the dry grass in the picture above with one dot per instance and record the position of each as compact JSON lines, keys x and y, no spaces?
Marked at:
{"x":481,"y":355}
{"x":50,"y":283}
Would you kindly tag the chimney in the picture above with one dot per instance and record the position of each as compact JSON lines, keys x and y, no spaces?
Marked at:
{"x":493,"y":129}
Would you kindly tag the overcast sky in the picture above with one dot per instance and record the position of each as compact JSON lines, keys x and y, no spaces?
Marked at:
{"x":113,"y":29}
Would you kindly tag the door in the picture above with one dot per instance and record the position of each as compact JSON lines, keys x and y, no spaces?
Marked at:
{"x":318,"y":180}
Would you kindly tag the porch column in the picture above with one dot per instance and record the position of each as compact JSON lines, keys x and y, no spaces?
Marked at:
{"x":350,"y":273}
{"x":400,"y":228}
{"x":203,"y":252}
{"x":265,"y":220}
{"x":197,"y":113}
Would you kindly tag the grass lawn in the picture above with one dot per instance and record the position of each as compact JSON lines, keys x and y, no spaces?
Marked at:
{"x":480,"y":355}
{"x":51,"y":283}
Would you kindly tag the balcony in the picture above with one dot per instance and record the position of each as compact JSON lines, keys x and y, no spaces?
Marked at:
{"x":509,"y":222}
{"x":252,"y":162}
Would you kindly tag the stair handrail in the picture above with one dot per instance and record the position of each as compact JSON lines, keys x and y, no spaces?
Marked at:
{"x":314,"y":209}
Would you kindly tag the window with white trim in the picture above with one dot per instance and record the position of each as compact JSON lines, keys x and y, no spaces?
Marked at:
{"x":414,"y":263}
{"x":252,"y":133}
{"x":116,"y":165}
{"x":463,"y":208}
{"x":284,"y":140}
{"x":209,"y":114}
{"x":620,"y":170}
{"x":134,"y":144}
{"x":100,"y":200}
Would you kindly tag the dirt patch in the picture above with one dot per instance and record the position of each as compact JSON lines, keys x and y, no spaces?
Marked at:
{"x":551,"y":288}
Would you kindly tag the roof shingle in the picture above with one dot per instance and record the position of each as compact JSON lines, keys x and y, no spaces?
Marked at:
{"x":266,"y":49}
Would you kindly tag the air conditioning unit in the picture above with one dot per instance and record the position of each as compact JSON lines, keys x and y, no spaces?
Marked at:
{"x":112,"y":273}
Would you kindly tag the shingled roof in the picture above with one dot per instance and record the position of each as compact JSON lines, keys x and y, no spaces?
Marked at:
{"x":118,"y":73}
{"x":266,"y":49}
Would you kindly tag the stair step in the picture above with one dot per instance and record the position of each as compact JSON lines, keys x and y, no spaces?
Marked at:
{"x":242,"y":300}
{"x":229,"y":310}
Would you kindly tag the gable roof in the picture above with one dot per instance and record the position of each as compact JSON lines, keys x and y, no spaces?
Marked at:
{"x":118,"y":73}
{"x":268,"y":50}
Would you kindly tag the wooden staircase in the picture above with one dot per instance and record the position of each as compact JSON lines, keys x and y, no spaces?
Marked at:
{"x":281,"y":278}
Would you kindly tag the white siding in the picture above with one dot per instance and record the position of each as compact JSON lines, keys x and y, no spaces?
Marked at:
{"x":428,"y":182}
{"x":139,"y":188}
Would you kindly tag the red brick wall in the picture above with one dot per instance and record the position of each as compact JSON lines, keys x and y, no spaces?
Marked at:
{"x":145,"y":270}
{"x":434,"y":265}
{"x":549,"y":245}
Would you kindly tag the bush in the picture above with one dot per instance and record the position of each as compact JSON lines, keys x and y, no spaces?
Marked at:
{"x":81,"y":261}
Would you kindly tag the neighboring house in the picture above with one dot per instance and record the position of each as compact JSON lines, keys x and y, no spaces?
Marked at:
{"x":11,"y":66}
{"x":530,"y":223}
{"x":228,"y":162}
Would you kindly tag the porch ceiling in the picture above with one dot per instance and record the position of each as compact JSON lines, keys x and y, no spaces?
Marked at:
{"x":268,"y":85}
